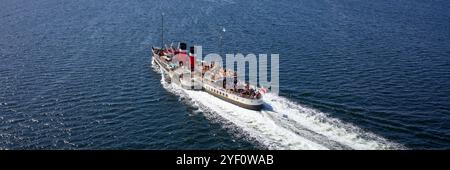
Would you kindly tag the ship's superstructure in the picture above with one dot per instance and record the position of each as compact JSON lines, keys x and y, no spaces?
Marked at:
{"x":184,"y":69}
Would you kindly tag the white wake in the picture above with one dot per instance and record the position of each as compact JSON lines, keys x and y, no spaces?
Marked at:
{"x":284,"y":124}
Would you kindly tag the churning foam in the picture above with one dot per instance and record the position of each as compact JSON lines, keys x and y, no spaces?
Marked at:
{"x":284,"y":124}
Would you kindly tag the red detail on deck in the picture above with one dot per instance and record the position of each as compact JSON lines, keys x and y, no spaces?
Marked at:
{"x":182,"y":56}
{"x":192,"y":61}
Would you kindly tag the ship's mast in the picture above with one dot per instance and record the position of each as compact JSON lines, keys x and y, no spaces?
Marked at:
{"x":220,"y":40}
{"x":162,"y":30}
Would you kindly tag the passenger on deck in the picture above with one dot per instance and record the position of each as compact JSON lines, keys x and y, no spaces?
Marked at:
{"x":224,"y":82}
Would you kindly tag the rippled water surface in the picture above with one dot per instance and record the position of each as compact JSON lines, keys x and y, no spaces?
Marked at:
{"x":354,"y":75}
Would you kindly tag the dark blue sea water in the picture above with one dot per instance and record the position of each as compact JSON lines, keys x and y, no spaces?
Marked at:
{"x":354,"y":74}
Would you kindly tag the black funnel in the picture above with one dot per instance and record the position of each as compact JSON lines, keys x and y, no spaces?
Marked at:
{"x":183,"y":46}
{"x":191,"y":50}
